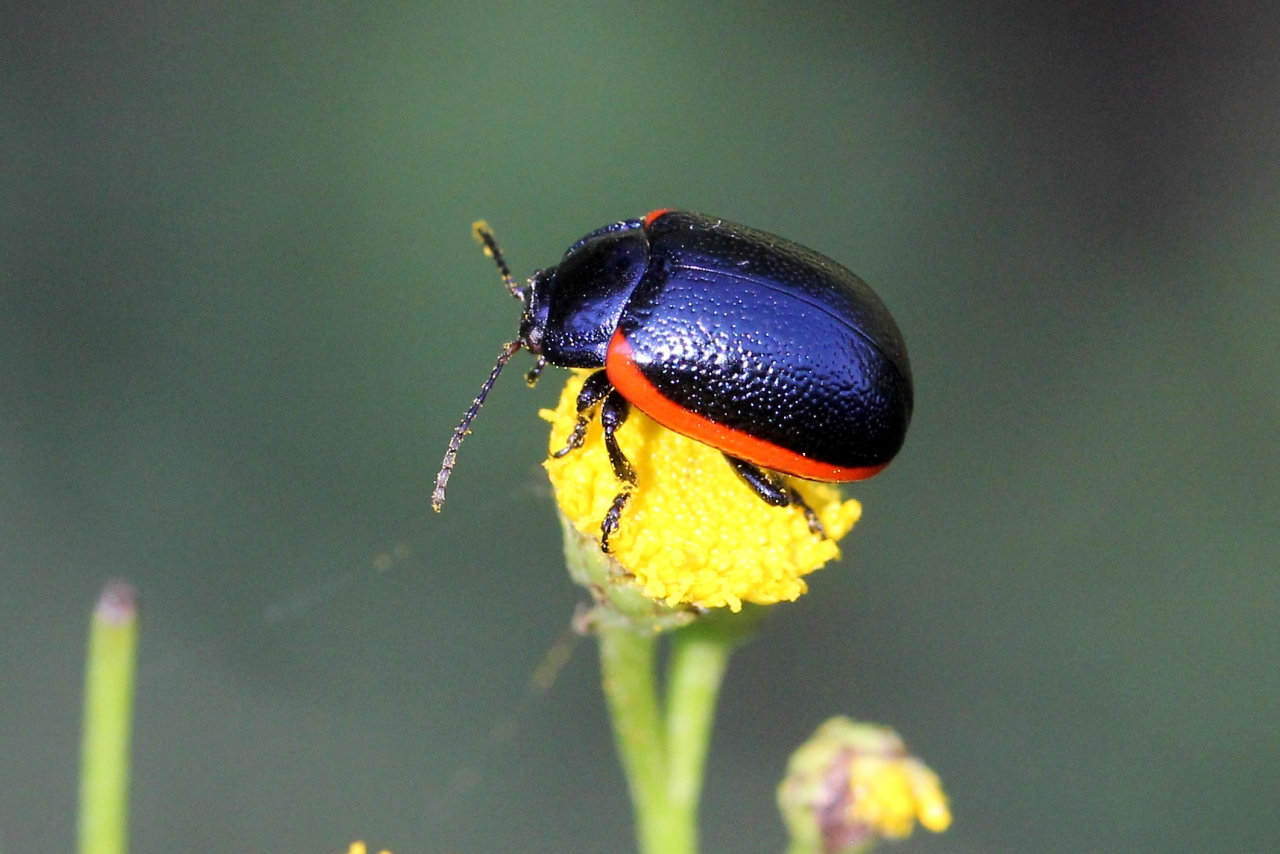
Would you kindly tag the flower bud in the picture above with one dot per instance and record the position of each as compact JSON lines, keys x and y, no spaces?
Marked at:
{"x":852,"y":784}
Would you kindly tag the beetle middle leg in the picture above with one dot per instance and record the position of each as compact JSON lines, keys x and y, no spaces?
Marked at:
{"x":597,"y":390}
{"x":612,"y":415}
{"x":773,"y":491}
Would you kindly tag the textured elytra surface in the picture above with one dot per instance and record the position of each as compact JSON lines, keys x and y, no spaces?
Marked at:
{"x":771,"y":339}
{"x":696,"y":242}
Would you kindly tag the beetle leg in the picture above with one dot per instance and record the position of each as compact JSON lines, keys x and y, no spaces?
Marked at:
{"x":773,"y":491}
{"x":595,"y":389}
{"x":612,"y":415}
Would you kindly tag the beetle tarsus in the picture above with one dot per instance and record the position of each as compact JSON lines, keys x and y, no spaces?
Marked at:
{"x":576,"y":438}
{"x":609,"y":526}
{"x":595,"y":389}
{"x":815,"y":524}
{"x":531,"y":378}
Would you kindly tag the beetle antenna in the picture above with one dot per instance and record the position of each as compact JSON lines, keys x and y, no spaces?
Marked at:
{"x":481,"y":231}
{"x":451,"y":454}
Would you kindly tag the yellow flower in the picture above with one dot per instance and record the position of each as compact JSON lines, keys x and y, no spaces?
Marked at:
{"x":852,"y":784}
{"x":359,"y":848}
{"x":892,"y":793}
{"x":693,"y":532}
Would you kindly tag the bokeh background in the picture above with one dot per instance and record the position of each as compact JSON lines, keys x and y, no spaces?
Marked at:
{"x":240,"y":312}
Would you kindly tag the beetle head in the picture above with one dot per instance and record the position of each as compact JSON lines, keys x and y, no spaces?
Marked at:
{"x":537,"y":308}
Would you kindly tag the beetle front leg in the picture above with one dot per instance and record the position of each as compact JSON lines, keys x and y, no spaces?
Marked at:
{"x":595,"y":389}
{"x":773,"y":491}
{"x":612,"y":415}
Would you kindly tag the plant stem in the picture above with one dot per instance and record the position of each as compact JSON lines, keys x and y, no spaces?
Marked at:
{"x":627,"y":664}
{"x":108,"y":716}
{"x":694,"y":676}
{"x":664,"y":754}
{"x":663,"y":746}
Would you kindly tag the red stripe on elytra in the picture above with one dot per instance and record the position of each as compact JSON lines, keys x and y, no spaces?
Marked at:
{"x":624,"y":373}
{"x":651,"y":216}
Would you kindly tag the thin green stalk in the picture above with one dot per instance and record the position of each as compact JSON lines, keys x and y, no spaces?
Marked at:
{"x":627,"y":664}
{"x":694,"y":676}
{"x":108,"y":715}
{"x":664,"y":752}
{"x":663,"y":746}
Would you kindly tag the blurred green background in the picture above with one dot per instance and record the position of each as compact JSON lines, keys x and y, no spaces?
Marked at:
{"x":240,"y":312}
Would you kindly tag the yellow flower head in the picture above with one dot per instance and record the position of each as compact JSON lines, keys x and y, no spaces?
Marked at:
{"x":853,"y":783}
{"x":360,"y":848}
{"x":693,"y":532}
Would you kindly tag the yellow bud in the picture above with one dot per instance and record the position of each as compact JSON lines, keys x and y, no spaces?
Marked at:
{"x":853,"y":784}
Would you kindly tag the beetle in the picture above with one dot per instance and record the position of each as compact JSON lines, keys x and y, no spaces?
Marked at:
{"x":773,"y":354}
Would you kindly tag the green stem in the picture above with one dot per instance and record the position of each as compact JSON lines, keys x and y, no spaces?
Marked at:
{"x":627,"y":665}
{"x":663,"y":752}
{"x":694,"y":676}
{"x":108,"y":716}
{"x":664,"y":755}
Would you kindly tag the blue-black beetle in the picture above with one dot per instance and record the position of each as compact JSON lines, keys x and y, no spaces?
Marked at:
{"x":761,"y":348}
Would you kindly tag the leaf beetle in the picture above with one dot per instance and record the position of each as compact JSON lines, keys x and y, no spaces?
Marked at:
{"x":773,"y":354}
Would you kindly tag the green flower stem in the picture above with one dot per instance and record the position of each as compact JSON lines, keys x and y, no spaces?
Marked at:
{"x":108,"y":715}
{"x":694,"y":675}
{"x":663,"y":745}
{"x":664,"y":753}
{"x":627,"y":660}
